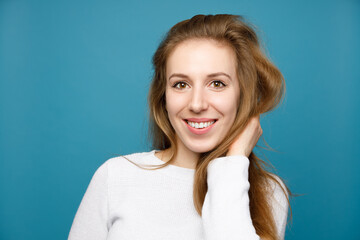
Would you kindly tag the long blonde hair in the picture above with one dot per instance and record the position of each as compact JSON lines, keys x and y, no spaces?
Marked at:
{"x":262,"y":86}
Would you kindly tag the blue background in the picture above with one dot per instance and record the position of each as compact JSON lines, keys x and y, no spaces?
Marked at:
{"x":74,"y":77}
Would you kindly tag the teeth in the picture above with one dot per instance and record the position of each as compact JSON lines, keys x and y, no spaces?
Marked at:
{"x":200,"y":125}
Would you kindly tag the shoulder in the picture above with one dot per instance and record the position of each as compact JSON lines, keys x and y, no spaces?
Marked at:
{"x":278,"y":200}
{"x":276,"y":185}
{"x":113,"y":172}
{"x":119,"y":168}
{"x":124,"y":164}
{"x":278,"y":197}
{"x":124,"y":160}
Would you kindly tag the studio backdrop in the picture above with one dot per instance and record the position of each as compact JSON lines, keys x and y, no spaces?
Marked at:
{"x":74,"y":78}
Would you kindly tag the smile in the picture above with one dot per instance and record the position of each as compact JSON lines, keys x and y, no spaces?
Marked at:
{"x":200,"y":126}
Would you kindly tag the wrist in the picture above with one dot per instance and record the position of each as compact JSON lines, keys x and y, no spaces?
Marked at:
{"x":235,"y":153}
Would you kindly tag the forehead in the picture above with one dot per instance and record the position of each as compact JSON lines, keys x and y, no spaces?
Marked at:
{"x":201,"y":56}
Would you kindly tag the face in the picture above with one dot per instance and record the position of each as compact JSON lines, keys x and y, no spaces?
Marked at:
{"x":202,"y":93}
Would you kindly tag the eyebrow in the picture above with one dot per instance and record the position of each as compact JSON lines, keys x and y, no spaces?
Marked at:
{"x":210,"y":75}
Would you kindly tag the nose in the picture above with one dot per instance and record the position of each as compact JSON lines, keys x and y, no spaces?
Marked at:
{"x":198,"y":101}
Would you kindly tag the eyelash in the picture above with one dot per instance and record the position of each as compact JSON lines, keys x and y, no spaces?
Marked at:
{"x":177,"y":84}
{"x":216,"y":81}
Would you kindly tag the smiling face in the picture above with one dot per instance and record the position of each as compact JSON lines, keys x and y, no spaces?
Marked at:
{"x":202,"y":93}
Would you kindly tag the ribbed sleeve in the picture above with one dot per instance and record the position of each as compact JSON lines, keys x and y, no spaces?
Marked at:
{"x":226,"y":212}
{"x":90,"y":221}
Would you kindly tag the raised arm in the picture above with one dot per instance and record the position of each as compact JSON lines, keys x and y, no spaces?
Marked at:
{"x":226,"y":210}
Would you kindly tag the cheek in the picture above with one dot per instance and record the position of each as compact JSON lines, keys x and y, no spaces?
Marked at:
{"x":226,"y":104}
{"x":174,"y":103}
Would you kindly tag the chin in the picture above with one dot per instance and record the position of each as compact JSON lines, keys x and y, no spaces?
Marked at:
{"x":201,"y":148}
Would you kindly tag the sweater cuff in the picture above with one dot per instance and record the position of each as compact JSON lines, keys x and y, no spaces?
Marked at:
{"x":228,"y":170}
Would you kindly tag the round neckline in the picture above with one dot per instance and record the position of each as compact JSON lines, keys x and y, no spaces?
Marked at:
{"x":181,"y":172}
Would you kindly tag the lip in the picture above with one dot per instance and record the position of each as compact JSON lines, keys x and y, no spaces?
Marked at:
{"x":200,"y":119}
{"x":203,"y":130}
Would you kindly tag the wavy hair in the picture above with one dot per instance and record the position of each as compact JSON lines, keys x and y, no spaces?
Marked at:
{"x":262,"y":86}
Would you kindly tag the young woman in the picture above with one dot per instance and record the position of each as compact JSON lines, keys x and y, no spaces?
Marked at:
{"x":210,"y":85}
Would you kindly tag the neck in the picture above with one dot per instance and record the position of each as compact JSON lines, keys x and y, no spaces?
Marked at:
{"x":184,"y":157}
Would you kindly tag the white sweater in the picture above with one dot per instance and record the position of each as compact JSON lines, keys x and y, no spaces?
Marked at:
{"x":125,"y":202}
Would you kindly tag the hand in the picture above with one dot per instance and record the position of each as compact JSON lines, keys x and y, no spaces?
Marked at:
{"x":246,"y":141}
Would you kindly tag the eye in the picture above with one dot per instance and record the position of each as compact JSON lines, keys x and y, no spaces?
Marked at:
{"x":217,"y":84}
{"x":180,"y":85}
